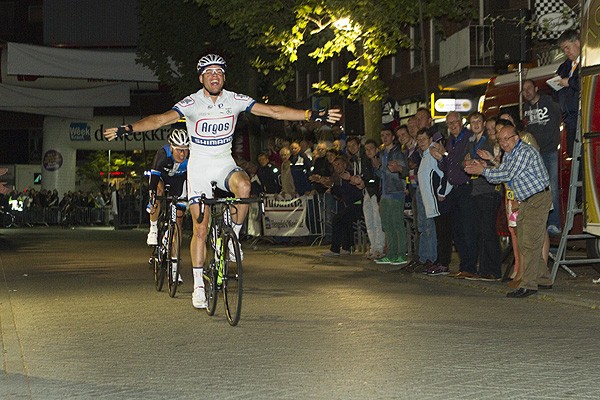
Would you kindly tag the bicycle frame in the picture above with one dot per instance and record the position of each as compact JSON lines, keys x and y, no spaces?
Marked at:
{"x":169,"y":245}
{"x":223,"y":271}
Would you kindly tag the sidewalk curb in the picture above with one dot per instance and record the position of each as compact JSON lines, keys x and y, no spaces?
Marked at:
{"x":553,"y":295}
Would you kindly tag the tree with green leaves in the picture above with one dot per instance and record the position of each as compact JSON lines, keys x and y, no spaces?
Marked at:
{"x":360,"y":32}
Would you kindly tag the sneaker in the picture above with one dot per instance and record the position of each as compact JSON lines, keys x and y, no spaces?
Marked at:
{"x":554,"y":231}
{"x":232,"y":253}
{"x":383,"y":260}
{"x":488,"y":278}
{"x":399,"y":261}
{"x":464,"y":275}
{"x":152,"y":239}
{"x":374,"y":255}
{"x":345,"y":252}
{"x":437,"y":269}
{"x":410,"y":267}
{"x":199,"y":298}
{"x":422,"y":267}
{"x":330,"y":254}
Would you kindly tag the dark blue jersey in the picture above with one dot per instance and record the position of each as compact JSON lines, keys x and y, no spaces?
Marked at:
{"x":166,"y":169}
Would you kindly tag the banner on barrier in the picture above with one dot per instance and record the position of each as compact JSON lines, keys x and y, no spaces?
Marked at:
{"x":285,"y":217}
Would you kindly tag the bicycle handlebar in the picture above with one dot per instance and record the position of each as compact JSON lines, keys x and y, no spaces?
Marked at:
{"x":229,"y":201}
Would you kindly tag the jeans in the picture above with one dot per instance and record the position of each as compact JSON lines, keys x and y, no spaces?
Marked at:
{"x":551,"y":163}
{"x":427,"y":234}
{"x":392,"y":220}
{"x":373,"y":223}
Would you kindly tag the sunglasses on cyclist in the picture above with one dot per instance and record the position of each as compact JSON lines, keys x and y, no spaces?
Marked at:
{"x":213,"y":71}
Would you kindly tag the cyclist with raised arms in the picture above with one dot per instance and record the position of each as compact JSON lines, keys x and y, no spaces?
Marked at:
{"x":211,"y":115}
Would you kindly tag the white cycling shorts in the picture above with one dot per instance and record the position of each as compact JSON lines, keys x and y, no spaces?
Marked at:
{"x":202,"y":171}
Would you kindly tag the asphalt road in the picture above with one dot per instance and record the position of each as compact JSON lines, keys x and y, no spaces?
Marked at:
{"x":80,"y":319}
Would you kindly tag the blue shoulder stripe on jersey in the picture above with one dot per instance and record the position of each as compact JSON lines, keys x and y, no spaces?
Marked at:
{"x":250,"y":106}
{"x":178,"y":112}
{"x":154,"y":172}
{"x":167,"y":149}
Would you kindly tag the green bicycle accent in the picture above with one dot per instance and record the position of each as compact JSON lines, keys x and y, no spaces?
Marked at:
{"x":223,"y":270}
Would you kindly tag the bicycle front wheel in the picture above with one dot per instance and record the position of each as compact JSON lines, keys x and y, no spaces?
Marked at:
{"x":232,"y":277}
{"x":157,"y":266}
{"x":174,"y":258}
{"x":210,"y":274}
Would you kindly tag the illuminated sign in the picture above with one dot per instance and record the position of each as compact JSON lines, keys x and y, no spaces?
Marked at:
{"x":447,"y":105}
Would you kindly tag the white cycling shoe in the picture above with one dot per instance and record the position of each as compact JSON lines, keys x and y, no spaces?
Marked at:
{"x":232,"y":253}
{"x":180,"y":280}
{"x":199,"y":297}
{"x":152,"y":239}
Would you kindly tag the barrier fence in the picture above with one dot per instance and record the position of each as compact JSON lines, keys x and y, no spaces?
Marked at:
{"x":55,"y":216}
{"x":307,"y":216}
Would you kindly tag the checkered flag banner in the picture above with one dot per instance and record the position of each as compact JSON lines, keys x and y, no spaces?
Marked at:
{"x":552,"y":17}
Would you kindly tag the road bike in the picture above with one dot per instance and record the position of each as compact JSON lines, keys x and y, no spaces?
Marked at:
{"x":223,"y":270}
{"x":7,"y":219}
{"x":166,"y":255}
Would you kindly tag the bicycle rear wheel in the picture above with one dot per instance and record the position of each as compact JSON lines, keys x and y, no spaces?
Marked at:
{"x":209,"y":275}
{"x":157,"y":266}
{"x":174,"y":248}
{"x":232,"y":277}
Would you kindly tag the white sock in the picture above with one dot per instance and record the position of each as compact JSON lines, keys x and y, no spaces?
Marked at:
{"x":154,"y":225}
{"x":198,"y":282}
{"x":237,"y":228}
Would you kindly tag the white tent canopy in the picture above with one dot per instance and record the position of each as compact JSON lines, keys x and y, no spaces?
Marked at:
{"x":84,"y":69}
{"x":26,"y":59}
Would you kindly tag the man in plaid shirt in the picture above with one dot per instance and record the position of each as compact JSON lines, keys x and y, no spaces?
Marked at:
{"x":524,"y":171}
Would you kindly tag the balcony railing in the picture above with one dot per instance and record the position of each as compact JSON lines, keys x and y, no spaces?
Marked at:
{"x":472,"y":46}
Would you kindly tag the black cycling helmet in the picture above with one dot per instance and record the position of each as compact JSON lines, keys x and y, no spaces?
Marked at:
{"x":210,"y":59}
{"x":179,"y":138}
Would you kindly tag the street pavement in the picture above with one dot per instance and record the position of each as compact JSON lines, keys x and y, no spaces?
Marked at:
{"x":80,"y":319}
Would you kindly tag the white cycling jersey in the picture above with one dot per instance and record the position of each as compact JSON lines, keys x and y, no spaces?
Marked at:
{"x":211,"y":125}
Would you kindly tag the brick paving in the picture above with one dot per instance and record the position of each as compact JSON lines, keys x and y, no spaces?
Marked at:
{"x":80,"y":318}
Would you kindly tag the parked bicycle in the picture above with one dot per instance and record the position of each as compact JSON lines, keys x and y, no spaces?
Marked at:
{"x":223,"y":268}
{"x":166,"y":255}
{"x":7,"y":219}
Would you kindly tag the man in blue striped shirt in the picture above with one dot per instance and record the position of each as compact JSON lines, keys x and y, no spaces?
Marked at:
{"x":524,"y":171}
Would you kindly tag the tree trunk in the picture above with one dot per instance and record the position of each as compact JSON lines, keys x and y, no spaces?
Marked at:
{"x":372,"y":118}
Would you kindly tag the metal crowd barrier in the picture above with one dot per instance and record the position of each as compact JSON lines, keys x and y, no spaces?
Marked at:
{"x":36,"y":216}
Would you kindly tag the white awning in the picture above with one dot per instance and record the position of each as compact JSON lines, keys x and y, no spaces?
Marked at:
{"x":26,"y":59}
{"x":74,"y":103}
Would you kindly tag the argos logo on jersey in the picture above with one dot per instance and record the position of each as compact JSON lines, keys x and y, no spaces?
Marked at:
{"x":214,"y":131}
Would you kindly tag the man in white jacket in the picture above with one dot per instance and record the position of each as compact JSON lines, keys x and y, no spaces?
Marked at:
{"x":434,"y":188}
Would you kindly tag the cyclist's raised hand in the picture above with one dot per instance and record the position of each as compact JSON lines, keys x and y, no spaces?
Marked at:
{"x":332,"y":115}
{"x":118,"y":132}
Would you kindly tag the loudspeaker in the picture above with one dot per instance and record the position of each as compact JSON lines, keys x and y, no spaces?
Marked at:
{"x":512,"y":41}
